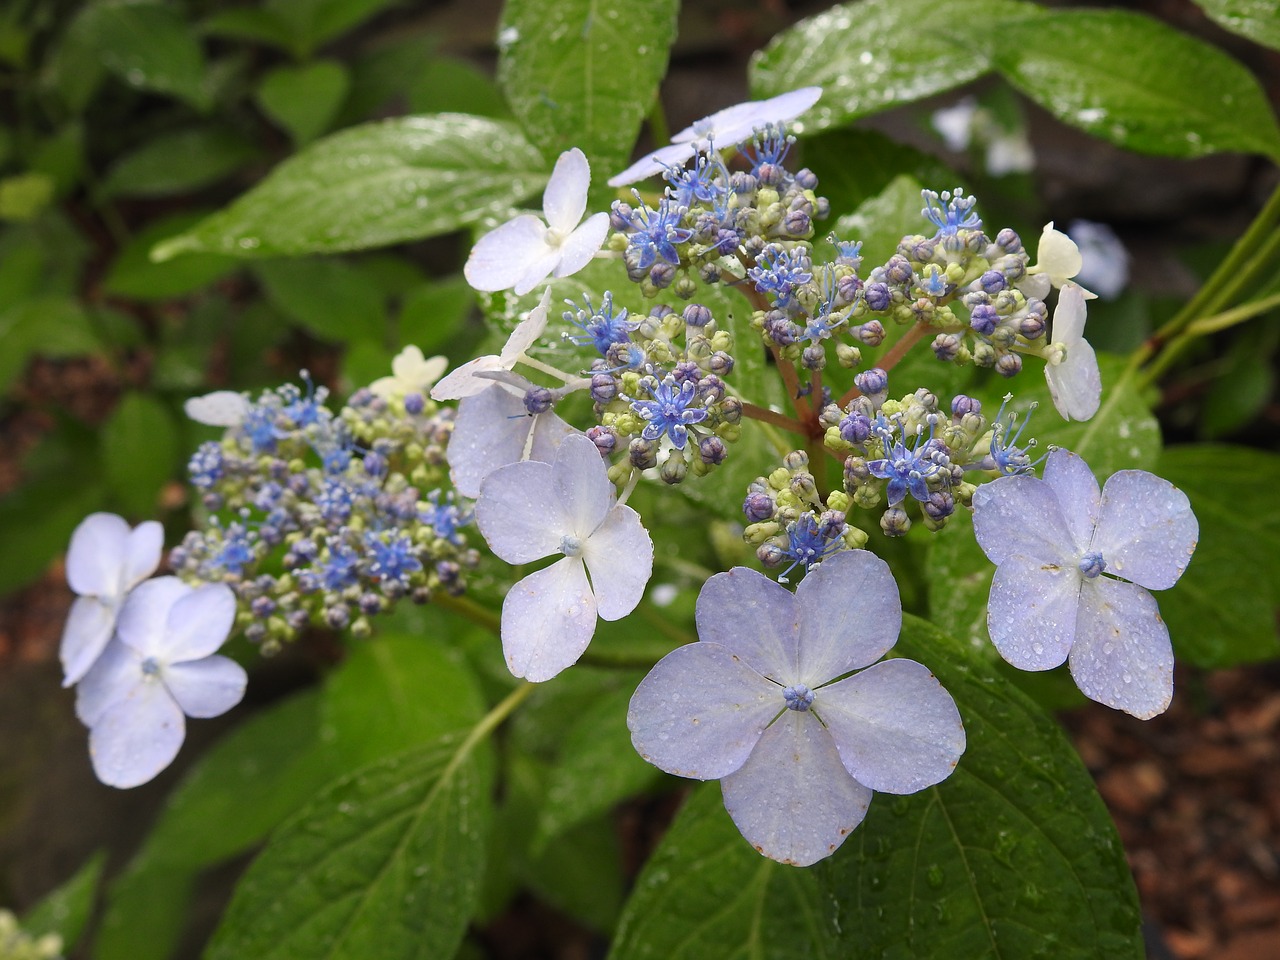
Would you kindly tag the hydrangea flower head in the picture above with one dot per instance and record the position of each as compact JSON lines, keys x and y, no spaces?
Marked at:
{"x":530,"y":510}
{"x":1073,"y":567}
{"x":105,"y":561}
{"x":1075,"y":383}
{"x":523,"y":252}
{"x":160,"y":666}
{"x":464,"y":382}
{"x":764,"y":703}
{"x":411,"y":372}
{"x":726,"y":127}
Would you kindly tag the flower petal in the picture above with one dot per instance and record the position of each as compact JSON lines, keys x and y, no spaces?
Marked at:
{"x":1031,"y":613}
{"x":1146,"y":530}
{"x":222,"y":408}
{"x":549,"y":431}
{"x":111,"y":679}
{"x":146,"y":543}
{"x":518,"y":514}
{"x":88,"y":628}
{"x":527,"y":332}
{"x":897,"y":729}
{"x":619,"y":558}
{"x":199,"y":622}
{"x":491,"y":430}
{"x":137,"y":737}
{"x":143,"y":620}
{"x":581,"y":479}
{"x":755,"y":618}
{"x":793,"y":799}
{"x":1058,"y":256}
{"x":700,"y":711}
{"x":736,"y":123}
{"x":462,"y":382}
{"x":850,"y":615}
{"x":208,"y":687}
{"x":548,"y":618}
{"x":581,"y":245}
{"x":1021,"y":516}
{"x":655,"y":163}
{"x":565,"y":199}
{"x":1075,"y":384}
{"x":537,"y":269}
{"x":500,"y":258}
{"x":96,"y":559}
{"x":1122,"y":655}
{"x":1076,"y":488}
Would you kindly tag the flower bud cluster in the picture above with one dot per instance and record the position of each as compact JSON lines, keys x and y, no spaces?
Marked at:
{"x":317,"y":517}
{"x":710,"y":221}
{"x":790,"y":522}
{"x":17,"y":944}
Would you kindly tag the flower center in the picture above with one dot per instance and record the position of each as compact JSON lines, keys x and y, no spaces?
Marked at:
{"x":798,"y":697}
{"x":570,"y":546}
{"x":553,"y":238}
{"x":150,"y":667}
{"x":1092,"y":564}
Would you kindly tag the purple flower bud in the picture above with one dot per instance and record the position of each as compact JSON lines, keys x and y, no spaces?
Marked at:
{"x":877,"y":296}
{"x":414,"y":404}
{"x":710,"y":390}
{"x":898,"y":270}
{"x":770,"y":554}
{"x":662,"y":273}
{"x":696,"y":315}
{"x":603,"y":387}
{"x":872,"y":382}
{"x":993,"y":281}
{"x":720,"y":363}
{"x":538,"y":400}
{"x":797,"y":223}
{"x":605,"y":439}
{"x":758,"y":507}
{"x":1031,"y":326}
{"x":712,"y":450}
{"x":643,"y":453}
{"x":855,"y":428}
{"x":963,"y":405}
{"x":806,"y":179}
{"x":375,"y":464}
{"x":1009,"y":364}
{"x":1009,"y":241}
{"x":871,"y":333}
{"x":984,"y":318}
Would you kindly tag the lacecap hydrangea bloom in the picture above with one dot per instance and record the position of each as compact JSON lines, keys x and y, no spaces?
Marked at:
{"x":105,"y":561}
{"x":1073,"y":567}
{"x":531,"y":510}
{"x":524,"y":251}
{"x":766,"y":702}
{"x":160,"y":667}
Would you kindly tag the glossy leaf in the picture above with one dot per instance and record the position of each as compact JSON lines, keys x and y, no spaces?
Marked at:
{"x":855,"y":165}
{"x":330,"y":298}
{"x":177,"y":162}
{"x":305,"y":99}
{"x":312,"y":22}
{"x":147,"y":45}
{"x":584,"y":72}
{"x":1222,"y":611}
{"x":447,"y":84}
{"x":875,"y":54}
{"x":706,"y":893}
{"x":386,"y":862}
{"x":374,"y":185}
{"x":1259,"y":20}
{"x":1109,"y":73}
{"x":1013,"y":855}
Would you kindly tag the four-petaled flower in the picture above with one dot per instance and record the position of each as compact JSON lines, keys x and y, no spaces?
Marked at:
{"x":669,"y":411}
{"x":160,"y":665}
{"x":1058,"y":259}
{"x":1051,"y":540}
{"x":1075,"y":382}
{"x":530,"y":510}
{"x":523,"y":252}
{"x":759,"y":704}
{"x":464,"y":382}
{"x":725,"y":128}
{"x":411,"y":372}
{"x":105,"y":561}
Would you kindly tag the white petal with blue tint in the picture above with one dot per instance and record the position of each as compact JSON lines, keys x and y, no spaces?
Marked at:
{"x":1021,"y":517}
{"x":754,"y":617}
{"x":145,"y":614}
{"x":208,"y":687}
{"x":896,"y":729}
{"x":1075,"y":384}
{"x":1031,"y":614}
{"x":114,"y":674}
{"x":619,"y":558}
{"x":1146,"y":530}
{"x":1079,"y":498}
{"x":519,"y":514}
{"x":222,"y":408}
{"x":1122,"y":656}
{"x":850,"y":615}
{"x":581,"y":482}
{"x":700,"y":711}
{"x":137,"y":737}
{"x":548,"y":619}
{"x":564,"y":200}
{"x":500,"y":258}
{"x":198,"y":622}
{"x":89,"y":626}
{"x":792,"y":799}
{"x":96,"y":556}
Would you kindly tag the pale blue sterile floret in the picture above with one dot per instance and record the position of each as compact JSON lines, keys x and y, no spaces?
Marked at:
{"x":908,"y":470}
{"x":757,"y":703}
{"x":950,"y":211}
{"x":669,"y":412}
{"x":657,"y":233}
{"x":779,"y":272}
{"x":160,"y":667}
{"x":601,"y":328}
{"x":1073,"y":569}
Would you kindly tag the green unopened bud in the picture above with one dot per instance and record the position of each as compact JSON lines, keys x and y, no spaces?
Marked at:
{"x":757,"y":533}
{"x":855,"y":537}
{"x":848,"y":356}
{"x":674,"y":468}
{"x":840,"y":501}
{"x":796,"y":460}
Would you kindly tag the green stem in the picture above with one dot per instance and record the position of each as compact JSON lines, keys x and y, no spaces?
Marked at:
{"x":1199,"y":328}
{"x":893,"y":357}
{"x":765,"y":415}
{"x":494,"y":718}
{"x":466,"y":607}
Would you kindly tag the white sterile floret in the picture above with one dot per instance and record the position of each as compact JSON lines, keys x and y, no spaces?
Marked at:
{"x":222,"y":408}
{"x":464,"y":382}
{"x":1073,"y":567}
{"x":105,"y":561}
{"x":160,"y":667}
{"x":1057,"y":261}
{"x":725,"y":128}
{"x":1075,"y":383}
{"x":411,"y":372}
{"x":766,"y":703}
{"x":524,"y":251}
{"x":530,"y":510}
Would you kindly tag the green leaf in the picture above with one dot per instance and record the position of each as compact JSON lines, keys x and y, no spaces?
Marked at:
{"x":50,"y":326}
{"x":1222,"y":610}
{"x":882,"y":220}
{"x":304,"y":100}
{"x":447,"y":84}
{"x":432,"y":313}
{"x":332,"y":299}
{"x":139,"y":451}
{"x":178,"y":162}
{"x":596,"y":768}
{"x":875,"y":54}
{"x":1013,"y":855}
{"x":387,"y":862}
{"x":1112,"y":74}
{"x":374,"y":185}
{"x":1259,"y":20}
{"x":134,"y":275}
{"x":706,"y":893}
{"x":855,"y":165}
{"x":250,"y":23}
{"x":313,"y":22}
{"x":584,"y":72}
{"x":147,"y":45}
{"x":66,"y":910}
{"x":24,"y":196}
